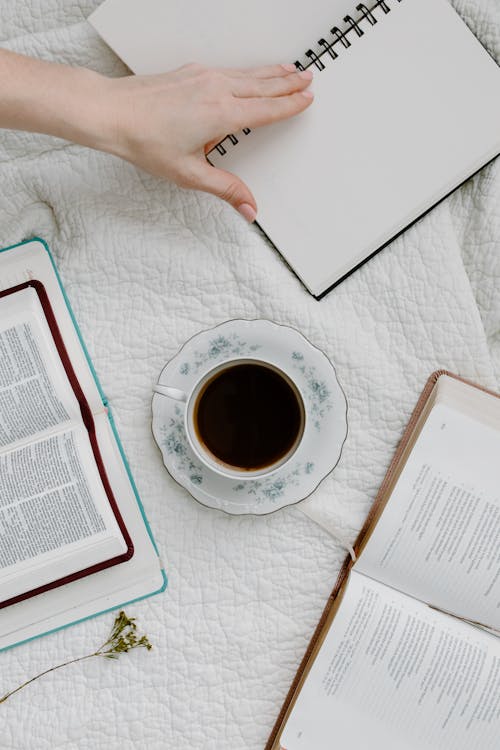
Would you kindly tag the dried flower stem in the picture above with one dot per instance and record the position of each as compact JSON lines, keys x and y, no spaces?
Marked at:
{"x":122,"y":639}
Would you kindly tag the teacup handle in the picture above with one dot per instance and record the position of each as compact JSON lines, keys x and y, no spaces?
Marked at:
{"x":166,"y":390}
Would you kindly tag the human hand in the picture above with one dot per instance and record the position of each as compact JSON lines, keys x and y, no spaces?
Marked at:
{"x":167,"y":123}
{"x":163,"y":123}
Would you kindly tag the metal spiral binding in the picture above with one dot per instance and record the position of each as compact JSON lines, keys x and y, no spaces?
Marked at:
{"x":341,"y":36}
{"x":326,"y":49}
{"x":232,"y":139}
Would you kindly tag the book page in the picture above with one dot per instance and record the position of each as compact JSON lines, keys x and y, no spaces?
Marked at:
{"x":438,"y":536}
{"x":54,"y":512}
{"x":396,"y":674}
{"x":110,"y":587}
{"x":55,"y":516}
{"x":35,"y":394}
{"x":31,"y":261}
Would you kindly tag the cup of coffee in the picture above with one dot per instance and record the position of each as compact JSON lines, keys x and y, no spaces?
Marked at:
{"x":244,"y":419}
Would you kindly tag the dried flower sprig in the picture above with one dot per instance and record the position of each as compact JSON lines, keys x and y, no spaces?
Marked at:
{"x":123,"y":638}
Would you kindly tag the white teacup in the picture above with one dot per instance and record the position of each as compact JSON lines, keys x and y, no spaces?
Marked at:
{"x":194,"y":397}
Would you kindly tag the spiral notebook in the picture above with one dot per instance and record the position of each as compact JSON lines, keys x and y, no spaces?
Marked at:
{"x":407,"y":107}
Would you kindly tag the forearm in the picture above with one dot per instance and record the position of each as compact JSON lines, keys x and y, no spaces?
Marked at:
{"x":58,"y":100}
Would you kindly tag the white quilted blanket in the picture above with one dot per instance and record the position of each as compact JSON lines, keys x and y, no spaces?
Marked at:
{"x":146,"y":265}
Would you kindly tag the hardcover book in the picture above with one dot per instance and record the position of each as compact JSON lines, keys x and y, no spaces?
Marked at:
{"x":407,"y":652}
{"x":74,"y":539}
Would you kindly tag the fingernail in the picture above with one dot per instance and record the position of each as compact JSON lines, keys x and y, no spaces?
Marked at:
{"x":308,"y":94}
{"x":290,"y":66}
{"x":307,"y":74}
{"x":247,"y":211}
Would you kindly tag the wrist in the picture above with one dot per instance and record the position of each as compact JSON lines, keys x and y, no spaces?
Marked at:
{"x":86,"y":115}
{"x":101,"y":113}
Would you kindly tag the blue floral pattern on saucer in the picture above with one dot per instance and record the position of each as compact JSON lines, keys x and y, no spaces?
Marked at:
{"x":324,"y":401}
{"x":221,"y":347}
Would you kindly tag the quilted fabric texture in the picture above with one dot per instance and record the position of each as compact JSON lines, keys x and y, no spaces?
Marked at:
{"x":146,"y":265}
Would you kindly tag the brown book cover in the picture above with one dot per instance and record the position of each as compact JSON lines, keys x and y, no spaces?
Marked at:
{"x":88,"y":421}
{"x":335,"y":597}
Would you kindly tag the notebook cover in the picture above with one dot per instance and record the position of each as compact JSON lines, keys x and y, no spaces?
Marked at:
{"x":348,"y":562}
{"x":121,"y":451}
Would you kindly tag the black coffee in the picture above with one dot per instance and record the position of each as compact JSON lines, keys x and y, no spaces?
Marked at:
{"x":248,"y":416}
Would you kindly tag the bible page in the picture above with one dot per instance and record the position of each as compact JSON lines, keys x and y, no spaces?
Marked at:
{"x":55,"y":518}
{"x":31,"y":261}
{"x":111,"y":586}
{"x":438,"y":536}
{"x":35,"y":394}
{"x":396,"y":674}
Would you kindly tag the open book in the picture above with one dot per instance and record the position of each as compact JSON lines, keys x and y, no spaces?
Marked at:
{"x":73,"y":540}
{"x":407,"y":107}
{"x":406,"y":653}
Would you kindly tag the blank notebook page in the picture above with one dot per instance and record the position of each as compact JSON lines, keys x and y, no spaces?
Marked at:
{"x":152,"y":36}
{"x":400,"y":118}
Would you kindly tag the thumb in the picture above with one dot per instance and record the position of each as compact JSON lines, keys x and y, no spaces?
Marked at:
{"x":227,"y":186}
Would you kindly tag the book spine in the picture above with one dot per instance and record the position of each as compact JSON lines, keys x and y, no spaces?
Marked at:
{"x":328,"y":48}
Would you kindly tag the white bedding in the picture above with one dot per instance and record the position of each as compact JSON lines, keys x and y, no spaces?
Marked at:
{"x":146,"y":265}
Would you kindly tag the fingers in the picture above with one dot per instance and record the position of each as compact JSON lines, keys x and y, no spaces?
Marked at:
{"x":264,"y":111}
{"x":226,"y":186}
{"x":247,"y":87}
{"x":211,"y":144}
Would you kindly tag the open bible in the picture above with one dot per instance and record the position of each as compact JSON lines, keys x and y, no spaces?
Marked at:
{"x":73,"y":539}
{"x":58,"y":517}
{"x":406,"y":653}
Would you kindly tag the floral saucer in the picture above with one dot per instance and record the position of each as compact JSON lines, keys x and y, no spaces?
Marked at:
{"x":324,"y":401}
